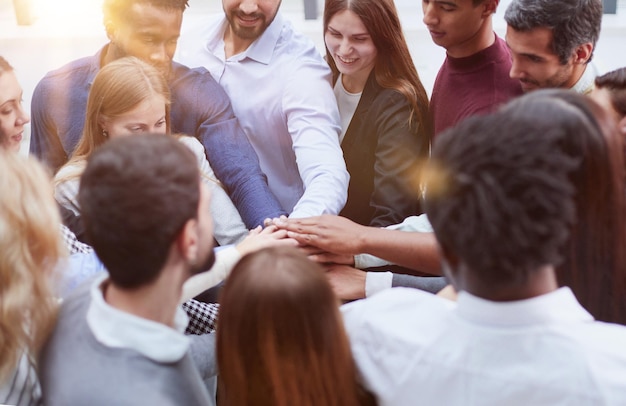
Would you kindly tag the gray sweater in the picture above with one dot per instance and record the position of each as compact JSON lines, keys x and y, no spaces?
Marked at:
{"x":76,"y":369}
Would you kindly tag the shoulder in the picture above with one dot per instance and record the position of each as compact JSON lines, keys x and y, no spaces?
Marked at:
{"x":299,"y":49}
{"x":389,"y":311}
{"x":80,"y":71}
{"x":193,"y":144}
{"x":195,"y":85}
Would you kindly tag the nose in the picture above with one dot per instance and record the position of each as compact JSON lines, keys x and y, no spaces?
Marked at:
{"x":430,"y":15}
{"x":248,"y":6}
{"x":345,"y":47}
{"x":516,"y":70}
{"x":22,"y":117}
{"x":160,"y":55}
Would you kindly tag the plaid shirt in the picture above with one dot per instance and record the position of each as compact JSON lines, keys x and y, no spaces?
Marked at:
{"x":72,"y":244}
{"x":202,"y":316}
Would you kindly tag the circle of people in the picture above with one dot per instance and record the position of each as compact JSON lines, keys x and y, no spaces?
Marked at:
{"x":293,"y":229}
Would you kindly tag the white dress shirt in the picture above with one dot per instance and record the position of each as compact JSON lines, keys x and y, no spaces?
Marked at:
{"x":412,"y":347}
{"x":281,"y":93}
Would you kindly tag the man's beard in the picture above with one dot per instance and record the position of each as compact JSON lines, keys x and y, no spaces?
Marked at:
{"x":204,"y":266}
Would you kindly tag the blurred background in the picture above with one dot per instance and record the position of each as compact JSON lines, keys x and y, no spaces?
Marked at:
{"x":37,"y":36}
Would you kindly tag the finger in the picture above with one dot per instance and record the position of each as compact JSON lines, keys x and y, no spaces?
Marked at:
{"x":255,"y":231}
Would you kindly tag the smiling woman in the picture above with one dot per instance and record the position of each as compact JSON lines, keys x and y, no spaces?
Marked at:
{"x":12,"y":114}
{"x":383,"y":107}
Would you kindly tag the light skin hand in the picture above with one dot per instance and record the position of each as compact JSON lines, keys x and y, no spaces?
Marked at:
{"x":347,"y":282}
{"x":329,"y":233}
{"x":260,"y":238}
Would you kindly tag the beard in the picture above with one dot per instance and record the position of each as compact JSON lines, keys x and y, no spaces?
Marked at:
{"x":205,"y":265}
{"x":249,"y":33}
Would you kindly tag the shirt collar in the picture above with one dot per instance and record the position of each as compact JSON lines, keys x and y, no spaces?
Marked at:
{"x":557,"y":306}
{"x":261,"y":50}
{"x":118,"y":329}
{"x":586,"y":83}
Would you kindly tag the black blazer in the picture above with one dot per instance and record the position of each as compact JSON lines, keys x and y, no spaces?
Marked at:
{"x":383,"y":155}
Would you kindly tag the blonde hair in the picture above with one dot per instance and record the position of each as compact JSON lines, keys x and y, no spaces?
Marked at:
{"x":117,"y":88}
{"x":31,"y":247}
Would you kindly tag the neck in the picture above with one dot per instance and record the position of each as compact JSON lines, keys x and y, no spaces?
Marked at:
{"x":577,"y":72}
{"x":538,"y":282}
{"x":233,"y":44}
{"x":156,"y":301}
{"x":355,"y":83}
{"x":483,"y":39}
{"x":111,"y":53}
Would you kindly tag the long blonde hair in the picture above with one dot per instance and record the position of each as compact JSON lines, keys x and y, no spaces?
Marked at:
{"x":30,"y":247}
{"x":118,"y":87}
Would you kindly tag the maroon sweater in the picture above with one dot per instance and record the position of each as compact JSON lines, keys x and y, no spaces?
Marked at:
{"x":476,"y":84}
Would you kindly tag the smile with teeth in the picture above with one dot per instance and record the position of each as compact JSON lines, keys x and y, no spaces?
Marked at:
{"x":346,"y":60}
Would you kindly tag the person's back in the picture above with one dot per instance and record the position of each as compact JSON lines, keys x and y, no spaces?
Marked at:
{"x":119,"y":337}
{"x":86,"y":371}
{"x":500,"y":202}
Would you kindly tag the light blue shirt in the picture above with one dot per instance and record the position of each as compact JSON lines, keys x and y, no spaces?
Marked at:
{"x":281,"y":93}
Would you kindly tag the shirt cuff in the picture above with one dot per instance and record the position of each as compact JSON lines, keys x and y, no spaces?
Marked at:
{"x":376,"y":282}
{"x":364,"y":261}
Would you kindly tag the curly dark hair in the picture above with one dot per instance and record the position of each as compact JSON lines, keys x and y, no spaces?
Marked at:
{"x":499,"y":191}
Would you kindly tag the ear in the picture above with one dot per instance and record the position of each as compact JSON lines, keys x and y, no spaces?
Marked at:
{"x":187,"y":241}
{"x":489,"y":7}
{"x":109,"y":27}
{"x":622,"y":126}
{"x":582,"y":53}
{"x":102,"y":122}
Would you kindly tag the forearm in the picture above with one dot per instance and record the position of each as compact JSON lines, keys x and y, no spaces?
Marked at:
{"x":236,"y":165}
{"x":414,"y":250}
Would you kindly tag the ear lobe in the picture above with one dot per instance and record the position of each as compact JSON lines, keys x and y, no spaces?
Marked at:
{"x":622,"y":126}
{"x":583,"y":53}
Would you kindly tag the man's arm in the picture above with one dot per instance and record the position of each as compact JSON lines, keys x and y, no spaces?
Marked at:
{"x":44,"y":139}
{"x":338,"y":235}
{"x":313,"y":122}
{"x":201,"y":108}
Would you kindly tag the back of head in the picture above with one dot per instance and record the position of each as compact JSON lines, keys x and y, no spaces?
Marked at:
{"x":615,"y":83}
{"x":136,"y":194}
{"x":499,"y":195}
{"x":119,"y":87}
{"x":573,"y":22}
{"x":30,"y":247}
{"x":595,"y":261}
{"x":116,"y":10}
{"x":280,"y":339}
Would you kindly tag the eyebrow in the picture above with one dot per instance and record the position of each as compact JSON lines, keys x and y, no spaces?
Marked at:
{"x":446,"y":3}
{"x":360,"y":34}
{"x":19,"y":98}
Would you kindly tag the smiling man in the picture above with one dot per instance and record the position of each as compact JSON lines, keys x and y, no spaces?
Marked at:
{"x":552,"y":42}
{"x":280,"y":89}
{"x":474,"y":76}
{"x":149,"y":30}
